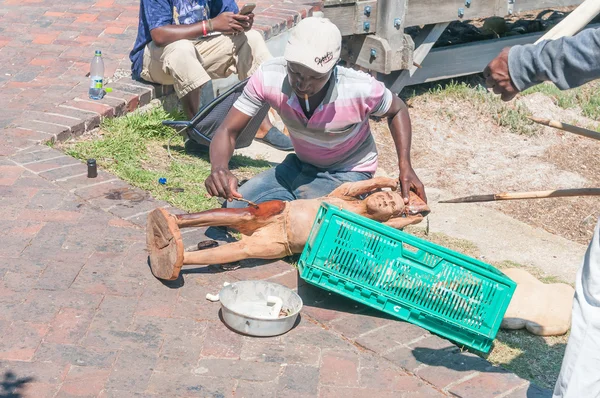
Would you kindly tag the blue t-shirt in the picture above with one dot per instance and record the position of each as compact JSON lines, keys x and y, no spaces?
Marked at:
{"x":157,"y":13}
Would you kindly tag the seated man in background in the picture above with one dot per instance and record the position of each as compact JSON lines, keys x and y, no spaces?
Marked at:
{"x":187,"y":43}
{"x":326,"y":110}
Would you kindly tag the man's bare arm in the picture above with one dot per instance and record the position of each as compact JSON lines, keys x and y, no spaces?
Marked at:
{"x":400,"y":128}
{"x":226,"y":22}
{"x":221,"y":181}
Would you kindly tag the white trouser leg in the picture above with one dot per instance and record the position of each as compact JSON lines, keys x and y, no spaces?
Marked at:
{"x":580,"y":372}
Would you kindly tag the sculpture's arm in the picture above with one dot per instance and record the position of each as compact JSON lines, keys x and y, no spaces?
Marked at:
{"x":401,"y":222}
{"x":355,"y":189}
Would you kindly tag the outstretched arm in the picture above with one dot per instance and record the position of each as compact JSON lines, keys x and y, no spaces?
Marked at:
{"x":355,"y":189}
{"x":226,"y":22}
{"x":400,"y":128}
{"x":221,"y":181}
{"x":567,"y":62}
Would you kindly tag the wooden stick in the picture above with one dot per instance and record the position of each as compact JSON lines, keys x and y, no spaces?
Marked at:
{"x":574,"y":22}
{"x":567,"y":127}
{"x":247,"y":201}
{"x":558,"y":193}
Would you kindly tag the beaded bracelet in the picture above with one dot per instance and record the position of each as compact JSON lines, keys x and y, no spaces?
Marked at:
{"x":203,"y":28}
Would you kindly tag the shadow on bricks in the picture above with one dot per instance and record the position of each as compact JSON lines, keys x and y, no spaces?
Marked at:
{"x":325,"y":306}
{"x":11,"y":386}
{"x":451,"y":358}
{"x":176,"y":284}
{"x":221,"y":235}
{"x":450,"y":361}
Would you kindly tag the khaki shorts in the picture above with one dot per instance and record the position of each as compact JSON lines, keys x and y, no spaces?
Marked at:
{"x":188,"y":64}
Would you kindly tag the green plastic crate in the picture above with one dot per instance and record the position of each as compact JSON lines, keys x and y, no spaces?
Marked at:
{"x":445,"y":292}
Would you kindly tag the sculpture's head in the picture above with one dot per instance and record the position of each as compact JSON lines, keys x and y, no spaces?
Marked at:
{"x":384,"y":205}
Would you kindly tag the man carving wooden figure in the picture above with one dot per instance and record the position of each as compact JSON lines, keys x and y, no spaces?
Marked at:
{"x":273,"y":229}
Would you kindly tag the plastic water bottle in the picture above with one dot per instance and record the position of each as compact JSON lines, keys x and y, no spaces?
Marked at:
{"x":96,"y":76}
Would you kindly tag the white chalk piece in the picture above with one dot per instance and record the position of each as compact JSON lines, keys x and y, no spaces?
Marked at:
{"x":215,"y":297}
{"x":212,"y":297}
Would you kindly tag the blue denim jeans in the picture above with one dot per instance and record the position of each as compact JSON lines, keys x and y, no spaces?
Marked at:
{"x":294,"y":179}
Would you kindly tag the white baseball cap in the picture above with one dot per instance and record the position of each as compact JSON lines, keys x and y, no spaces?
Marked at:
{"x":315,"y":43}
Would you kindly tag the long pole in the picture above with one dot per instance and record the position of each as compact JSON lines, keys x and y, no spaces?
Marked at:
{"x":574,"y":22}
{"x":558,"y":193}
{"x":567,"y":127}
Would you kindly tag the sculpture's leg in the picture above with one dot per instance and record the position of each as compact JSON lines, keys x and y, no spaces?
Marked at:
{"x":214,"y":218}
{"x":164,"y":243}
{"x":163,"y":236}
{"x":255,"y":246}
{"x":165,"y":246}
{"x":355,"y":189}
{"x":246,"y":220}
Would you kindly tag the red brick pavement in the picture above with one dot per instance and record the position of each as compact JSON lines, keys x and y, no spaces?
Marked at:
{"x":81,"y":314}
{"x":45,"y":50}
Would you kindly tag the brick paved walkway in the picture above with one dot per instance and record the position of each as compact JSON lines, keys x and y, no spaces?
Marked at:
{"x":81,"y":314}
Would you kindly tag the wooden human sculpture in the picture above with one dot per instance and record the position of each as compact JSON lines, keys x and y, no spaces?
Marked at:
{"x":542,"y":309}
{"x":272,"y":229}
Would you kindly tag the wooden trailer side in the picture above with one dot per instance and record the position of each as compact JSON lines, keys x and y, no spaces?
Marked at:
{"x":373,"y":30}
{"x":425,"y":12}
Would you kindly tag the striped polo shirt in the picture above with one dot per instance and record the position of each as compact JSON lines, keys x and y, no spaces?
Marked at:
{"x":337,"y":137}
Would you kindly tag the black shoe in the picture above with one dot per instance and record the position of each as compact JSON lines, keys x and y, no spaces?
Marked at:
{"x":277,"y":140}
{"x":207,"y":244}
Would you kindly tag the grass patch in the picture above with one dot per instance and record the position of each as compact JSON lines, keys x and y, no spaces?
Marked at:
{"x":564,"y":99}
{"x":462,"y":90}
{"x":586,"y":97}
{"x":514,"y":118}
{"x":531,"y":357}
{"x":134,"y":147}
{"x":590,"y":104}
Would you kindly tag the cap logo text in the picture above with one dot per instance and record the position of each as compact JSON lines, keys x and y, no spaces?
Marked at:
{"x":324,"y":59}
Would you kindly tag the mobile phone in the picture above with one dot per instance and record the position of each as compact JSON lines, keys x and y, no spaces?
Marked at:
{"x":247,"y":8}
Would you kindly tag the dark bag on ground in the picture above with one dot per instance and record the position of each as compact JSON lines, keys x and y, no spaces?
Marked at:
{"x":204,"y":124}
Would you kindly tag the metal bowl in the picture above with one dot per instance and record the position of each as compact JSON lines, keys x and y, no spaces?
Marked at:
{"x":245,"y":309}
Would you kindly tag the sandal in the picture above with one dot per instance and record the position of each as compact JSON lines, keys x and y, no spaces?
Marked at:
{"x":277,"y":140}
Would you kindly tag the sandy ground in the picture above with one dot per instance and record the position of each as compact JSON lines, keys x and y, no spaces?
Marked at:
{"x":462,"y":150}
